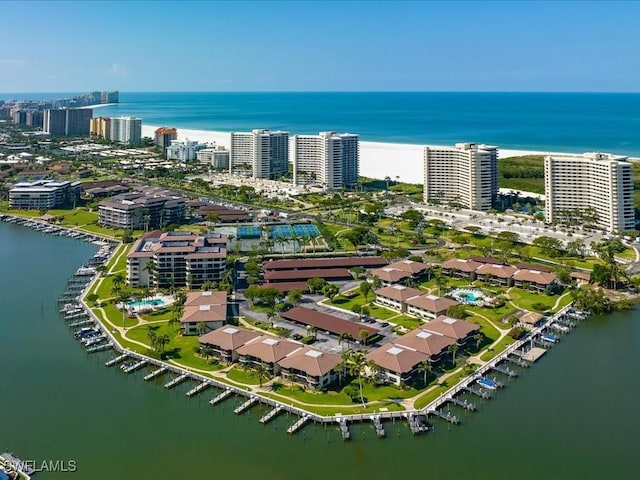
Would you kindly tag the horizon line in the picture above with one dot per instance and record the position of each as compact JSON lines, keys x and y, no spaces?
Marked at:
{"x":344,"y":91}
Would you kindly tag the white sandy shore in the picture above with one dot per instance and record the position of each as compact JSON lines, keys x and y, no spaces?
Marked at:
{"x":377,"y":159}
{"x":99,"y":105}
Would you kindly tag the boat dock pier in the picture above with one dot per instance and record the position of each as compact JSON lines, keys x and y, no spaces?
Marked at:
{"x":81,"y":323}
{"x":198,"y":388}
{"x":271,"y":414}
{"x":296,"y":426}
{"x":466,"y":404}
{"x":246,"y":405}
{"x":225,"y":393}
{"x":176,"y":381}
{"x":505,"y":370}
{"x":445,"y":416}
{"x":134,"y":366}
{"x":100,"y":348}
{"x":377,"y":424}
{"x":478,"y":392}
{"x":417,"y":423}
{"x":516,"y":361}
{"x":118,"y":359}
{"x":344,"y":429}
{"x":155,"y":373}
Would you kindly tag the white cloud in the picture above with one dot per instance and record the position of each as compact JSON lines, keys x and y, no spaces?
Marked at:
{"x":14,"y":62}
{"x":118,"y":70}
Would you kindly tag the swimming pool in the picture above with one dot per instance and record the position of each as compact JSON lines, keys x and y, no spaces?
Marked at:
{"x":141,"y":304}
{"x":468,"y":296}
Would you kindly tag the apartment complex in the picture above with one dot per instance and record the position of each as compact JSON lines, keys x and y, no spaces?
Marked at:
{"x":466,"y":174}
{"x":329,"y":159}
{"x":125,"y":130}
{"x":259,"y":153}
{"x":67,"y":121}
{"x":43,"y":194}
{"x":142,"y":210}
{"x":216,"y":157}
{"x":599,"y":183}
{"x":164,"y":135}
{"x":184,"y":151}
{"x":166,"y":259}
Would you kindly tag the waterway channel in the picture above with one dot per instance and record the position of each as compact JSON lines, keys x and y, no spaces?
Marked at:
{"x":572,"y":415}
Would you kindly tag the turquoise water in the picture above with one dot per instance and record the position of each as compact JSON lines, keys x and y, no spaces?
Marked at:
{"x":571,"y":122}
{"x":156,"y":302}
{"x":573,"y":415}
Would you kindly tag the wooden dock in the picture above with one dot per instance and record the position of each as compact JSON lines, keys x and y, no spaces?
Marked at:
{"x":466,"y":404}
{"x":445,"y":416}
{"x":298,"y":425}
{"x":417,"y":423}
{"x":176,"y":380}
{"x":478,"y":392}
{"x":246,"y":405}
{"x":100,"y":348}
{"x":377,"y":424}
{"x":271,"y":414}
{"x":505,"y":371}
{"x":136,"y":366}
{"x":225,"y":393}
{"x":344,"y":429}
{"x":155,"y":373}
{"x":198,"y":388}
{"x":118,"y":359}
{"x":81,"y":323}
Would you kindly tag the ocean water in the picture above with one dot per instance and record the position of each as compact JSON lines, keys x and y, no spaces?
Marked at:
{"x":565,"y":122}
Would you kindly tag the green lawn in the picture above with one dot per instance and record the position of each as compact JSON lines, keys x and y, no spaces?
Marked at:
{"x":115,"y":316}
{"x":344,"y":409}
{"x":500,"y":346}
{"x":486,"y":328}
{"x":429,"y":397}
{"x":525,"y":299}
{"x":356,"y":298}
{"x":494,"y":314}
{"x":406,"y":321}
{"x":242,"y":375}
{"x":161,"y":314}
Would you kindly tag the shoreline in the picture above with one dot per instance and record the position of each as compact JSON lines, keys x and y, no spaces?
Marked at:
{"x":378,"y":160}
{"x":98,"y":105}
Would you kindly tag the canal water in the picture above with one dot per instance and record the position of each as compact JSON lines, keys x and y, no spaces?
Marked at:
{"x":573,"y":415}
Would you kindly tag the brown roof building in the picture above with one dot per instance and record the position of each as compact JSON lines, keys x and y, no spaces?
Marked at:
{"x":320,"y":263}
{"x":432,"y":344}
{"x":266,"y":350}
{"x":397,"y":363}
{"x":207,"y":308}
{"x":274,"y":276}
{"x":310,"y":367}
{"x":326,"y":322}
{"x":457,"y":267}
{"x":428,"y":306}
{"x":410,"y":266}
{"x":459,"y":330}
{"x":535,"y":278}
{"x":224,"y":341}
{"x":389,"y":275}
{"x":500,"y":274}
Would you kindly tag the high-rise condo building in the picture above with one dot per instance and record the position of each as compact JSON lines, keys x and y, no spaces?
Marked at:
{"x":184,"y":151}
{"x":466,"y":174}
{"x":598,"y":184}
{"x":329,"y":159}
{"x":164,"y":135}
{"x":100,"y":127}
{"x":259,"y":153}
{"x":217,"y":157}
{"x":126,"y":130}
{"x":67,"y":121}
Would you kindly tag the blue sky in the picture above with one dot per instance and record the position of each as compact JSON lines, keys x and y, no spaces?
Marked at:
{"x":59,"y":46}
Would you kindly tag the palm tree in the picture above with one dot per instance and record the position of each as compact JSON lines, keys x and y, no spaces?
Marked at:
{"x":118,"y":280}
{"x":425,"y":368}
{"x":262,"y":372}
{"x":162,"y":341}
{"x":152,"y":336}
{"x":452,"y":349}
{"x":313,"y":331}
{"x":344,"y":337}
{"x":364,"y":336}
{"x":150,"y":268}
{"x":356,"y":364}
{"x":201,"y":328}
{"x":478,"y":337}
{"x":365,"y":289}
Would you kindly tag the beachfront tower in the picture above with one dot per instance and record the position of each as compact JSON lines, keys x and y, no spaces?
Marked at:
{"x":164,"y":135}
{"x":126,"y":130}
{"x":466,"y":174}
{"x":597,"y":184}
{"x":259,"y":153}
{"x":67,"y":121}
{"x":328,"y":159}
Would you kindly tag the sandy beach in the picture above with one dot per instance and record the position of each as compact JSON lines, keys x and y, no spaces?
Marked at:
{"x":377,"y":159}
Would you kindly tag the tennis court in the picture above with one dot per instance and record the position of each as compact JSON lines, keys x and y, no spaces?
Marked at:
{"x":248,"y":231}
{"x":306,"y":230}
